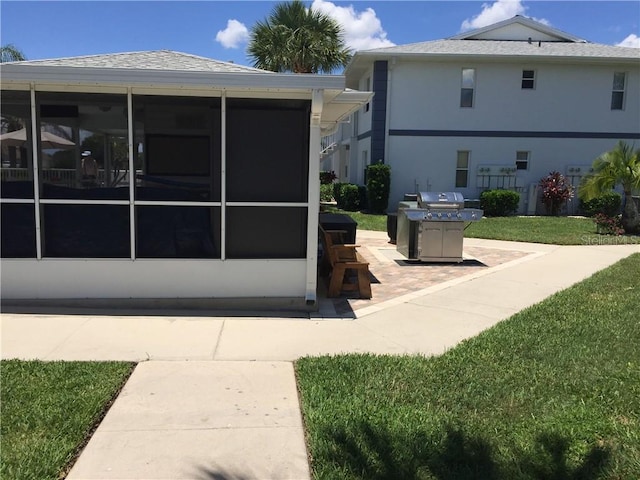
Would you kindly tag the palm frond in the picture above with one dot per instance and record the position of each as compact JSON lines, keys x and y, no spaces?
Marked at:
{"x":296,"y":39}
{"x":10,"y":53}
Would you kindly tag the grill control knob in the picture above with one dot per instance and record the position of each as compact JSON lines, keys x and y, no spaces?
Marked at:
{"x":459,"y":215}
{"x":448,"y":215}
{"x":429,"y":216}
{"x":439,"y":215}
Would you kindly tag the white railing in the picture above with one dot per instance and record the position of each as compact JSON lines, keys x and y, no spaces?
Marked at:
{"x":328,"y":144}
{"x":66,"y":177}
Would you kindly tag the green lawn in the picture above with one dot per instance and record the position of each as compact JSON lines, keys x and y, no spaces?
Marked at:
{"x":365,"y":221}
{"x":553,"y":230}
{"x":49,"y":410}
{"x":549,"y":394}
{"x":550,"y":230}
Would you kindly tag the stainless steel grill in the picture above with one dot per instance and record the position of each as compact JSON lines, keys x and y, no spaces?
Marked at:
{"x":432,"y":228}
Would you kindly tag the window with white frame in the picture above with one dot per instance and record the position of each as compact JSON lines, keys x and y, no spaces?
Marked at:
{"x":522,"y":160}
{"x":528,"y":79}
{"x":462,"y":169}
{"x":468,"y":87}
{"x":617,"y":94}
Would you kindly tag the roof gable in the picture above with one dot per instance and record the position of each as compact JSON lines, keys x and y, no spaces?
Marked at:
{"x":518,"y":28}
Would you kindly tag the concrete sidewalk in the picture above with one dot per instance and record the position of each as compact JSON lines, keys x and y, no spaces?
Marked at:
{"x":215,"y":396}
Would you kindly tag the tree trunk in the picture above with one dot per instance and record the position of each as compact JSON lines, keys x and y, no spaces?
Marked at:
{"x":630,"y":216}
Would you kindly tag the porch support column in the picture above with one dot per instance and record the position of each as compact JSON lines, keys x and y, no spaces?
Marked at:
{"x":35,"y":158}
{"x":314,"y":196}
{"x":223,"y":176}
{"x":132,"y":173}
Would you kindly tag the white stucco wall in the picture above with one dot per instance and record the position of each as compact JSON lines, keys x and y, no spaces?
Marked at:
{"x":176,"y":278}
{"x":364,"y":115}
{"x":360,"y":157}
{"x":566,"y":98}
{"x":429,"y":163}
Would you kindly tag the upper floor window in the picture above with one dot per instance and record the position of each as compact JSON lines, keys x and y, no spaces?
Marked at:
{"x":617,"y":94}
{"x":522,"y":160}
{"x":528,"y":79}
{"x":462,"y":169}
{"x":468,"y":86}
{"x":367,"y":89}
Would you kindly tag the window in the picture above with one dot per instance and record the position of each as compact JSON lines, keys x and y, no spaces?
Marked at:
{"x":522,"y":160}
{"x":462,"y":169}
{"x":468,"y":85}
{"x":528,"y":79}
{"x":367,"y":88}
{"x":617,"y":95}
{"x":88,"y":156}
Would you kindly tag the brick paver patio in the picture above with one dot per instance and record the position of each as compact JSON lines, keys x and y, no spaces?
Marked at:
{"x":393,"y":276}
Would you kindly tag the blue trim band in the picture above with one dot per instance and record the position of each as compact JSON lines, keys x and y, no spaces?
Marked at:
{"x":364,"y":135}
{"x":511,"y":134}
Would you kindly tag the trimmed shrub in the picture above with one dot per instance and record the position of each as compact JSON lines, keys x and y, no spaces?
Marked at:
{"x":608,"y":204}
{"x":499,"y":203}
{"x":326,"y":192}
{"x":337,"y":187}
{"x":349,"y":197}
{"x":378,"y":186}
{"x":608,"y":225}
{"x":362,"y":194}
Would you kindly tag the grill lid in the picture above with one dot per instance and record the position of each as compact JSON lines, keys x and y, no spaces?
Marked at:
{"x":440,"y":200}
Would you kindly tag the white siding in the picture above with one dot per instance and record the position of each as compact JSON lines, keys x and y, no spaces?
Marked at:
{"x":179,"y":278}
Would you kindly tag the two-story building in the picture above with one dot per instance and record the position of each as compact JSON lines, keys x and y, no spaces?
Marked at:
{"x":497,"y":107}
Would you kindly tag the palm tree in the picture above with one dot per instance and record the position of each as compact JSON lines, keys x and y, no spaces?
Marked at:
{"x":620,"y":166}
{"x":299,"y":40}
{"x":10,"y":53}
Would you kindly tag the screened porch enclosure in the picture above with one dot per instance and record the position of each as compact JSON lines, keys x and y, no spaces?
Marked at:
{"x":166,"y":185}
{"x":202,"y":181}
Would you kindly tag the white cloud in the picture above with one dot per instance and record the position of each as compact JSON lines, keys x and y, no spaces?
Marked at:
{"x":632,"y":41}
{"x":362,"y":30}
{"x":496,"y":12}
{"x":234,"y":35}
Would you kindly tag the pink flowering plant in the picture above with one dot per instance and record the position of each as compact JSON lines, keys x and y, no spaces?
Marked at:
{"x":607,"y":225}
{"x":556,"y":191}
{"x":327,"y":177}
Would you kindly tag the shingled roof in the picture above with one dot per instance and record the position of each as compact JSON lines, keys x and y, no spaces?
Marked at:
{"x":518,"y":38}
{"x":165,"y":60}
{"x":509,"y":48}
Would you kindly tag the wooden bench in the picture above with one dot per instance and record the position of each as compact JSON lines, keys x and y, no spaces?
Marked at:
{"x":343,"y":258}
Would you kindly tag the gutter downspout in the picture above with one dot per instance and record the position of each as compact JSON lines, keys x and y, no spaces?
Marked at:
{"x":313,"y":210}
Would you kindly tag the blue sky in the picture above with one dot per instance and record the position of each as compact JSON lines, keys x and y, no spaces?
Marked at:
{"x":219,"y":29}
